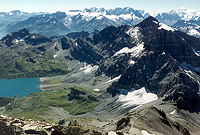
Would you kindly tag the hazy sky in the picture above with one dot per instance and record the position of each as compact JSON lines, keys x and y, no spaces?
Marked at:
{"x":152,"y":6}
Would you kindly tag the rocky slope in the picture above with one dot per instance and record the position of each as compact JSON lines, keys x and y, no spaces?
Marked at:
{"x":161,"y":57}
{"x":25,"y":54}
{"x":153,"y":121}
{"x":46,"y":25}
{"x":145,"y":121}
{"x":13,"y":17}
{"x":151,"y":54}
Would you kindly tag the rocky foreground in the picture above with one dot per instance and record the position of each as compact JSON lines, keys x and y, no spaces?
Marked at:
{"x":145,"y":121}
{"x":20,"y":126}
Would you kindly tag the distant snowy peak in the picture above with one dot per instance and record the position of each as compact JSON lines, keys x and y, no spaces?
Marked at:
{"x":192,"y":27}
{"x":110,"y":12}
{"x":117,"y":11}
{"x":173,"y":16}
{"x":13,"y":13}
{"x":186,"y":14}
{"x":91,"y":19}
{"x":194,"y":32}
{"x":18,"y":13}
{"x":94,"y":9}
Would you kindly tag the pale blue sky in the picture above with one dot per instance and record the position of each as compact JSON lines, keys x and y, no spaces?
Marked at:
{"x":152,"y":6}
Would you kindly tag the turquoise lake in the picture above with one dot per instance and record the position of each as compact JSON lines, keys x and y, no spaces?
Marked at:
{"x":19,"y":87}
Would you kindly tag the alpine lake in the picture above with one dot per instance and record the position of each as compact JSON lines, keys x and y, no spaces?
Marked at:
{"x":19,"y":87}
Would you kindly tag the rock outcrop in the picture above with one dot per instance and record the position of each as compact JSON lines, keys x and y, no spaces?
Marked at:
{"x":14,"y":126}
{"x":153,"y":121}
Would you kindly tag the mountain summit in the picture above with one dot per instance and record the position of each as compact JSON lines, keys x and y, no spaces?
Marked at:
{"x":163,"y":54}
{"x":148,"y":22}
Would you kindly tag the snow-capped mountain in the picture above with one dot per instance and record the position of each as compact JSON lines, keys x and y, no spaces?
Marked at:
{"x":78,"y":20}
{"x":192,"y":27}
{"x":47,"y":25}
{"x":13,"y":17}
{"x":92,"y":19}
{"x":17,"y":14}
{"x":173,"y":16}
{"x":98,"y":18}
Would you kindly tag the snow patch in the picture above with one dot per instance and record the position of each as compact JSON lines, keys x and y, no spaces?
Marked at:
{"x":55,"y":56}
{"x":96,"y":89}
{"x":113,"y":80}
{"x":89,"y":68}
{"x":137,"y":97}
{"x":135,"y":51}
{"x":196,"y":52}
{"x":188,"y":72}
{"x":54,"y":45}
{"x":155,"y":22}
{"x":194,"y":32}
{"x":112,"y":133}
{"x":166,"y":27}
{"x":134,"y":32}
{"x":163,"y":53}
{"x":172,"y":112}
{"x":16,"y":41}
{"x":99,"y":17}
{"x":10,"y":13}
{"x":146,"y":133}
{"x":198,"y":84}
{"x":131,"y":62}
{"x":183,"y":39}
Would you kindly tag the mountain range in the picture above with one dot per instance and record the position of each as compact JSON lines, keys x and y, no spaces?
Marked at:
{"x":92,"y":19}
{"x":130,"y":79}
